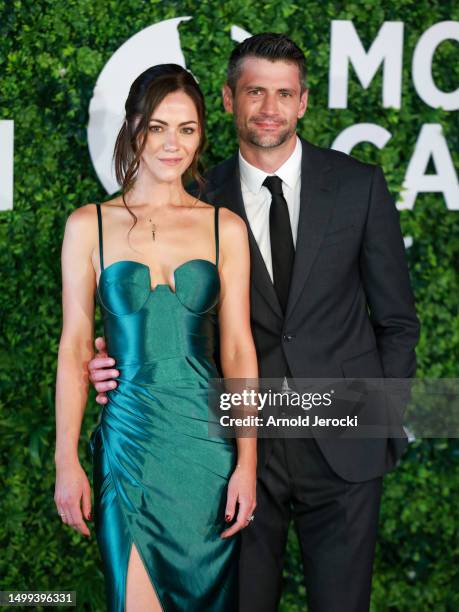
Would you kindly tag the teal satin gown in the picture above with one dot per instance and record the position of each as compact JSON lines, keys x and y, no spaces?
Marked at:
{"x":160,"y":481}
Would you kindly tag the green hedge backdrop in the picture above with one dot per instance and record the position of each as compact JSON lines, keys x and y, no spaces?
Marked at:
{"x":417,"y":561}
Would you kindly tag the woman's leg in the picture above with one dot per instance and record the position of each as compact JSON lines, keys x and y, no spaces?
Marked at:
{"x":140,"y":594}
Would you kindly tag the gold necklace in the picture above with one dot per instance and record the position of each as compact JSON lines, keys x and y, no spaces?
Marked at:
{"x":154,"y":226}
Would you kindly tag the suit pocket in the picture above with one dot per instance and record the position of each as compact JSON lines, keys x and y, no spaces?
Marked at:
{"x":363,"y":365}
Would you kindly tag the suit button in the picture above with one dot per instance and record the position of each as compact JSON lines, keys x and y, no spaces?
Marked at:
{"x":287,"y":337}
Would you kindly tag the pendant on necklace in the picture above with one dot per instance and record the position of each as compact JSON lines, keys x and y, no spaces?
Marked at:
{"x":153,"y":229}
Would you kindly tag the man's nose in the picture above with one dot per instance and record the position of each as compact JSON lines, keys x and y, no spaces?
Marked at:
{"x":269,"y":104}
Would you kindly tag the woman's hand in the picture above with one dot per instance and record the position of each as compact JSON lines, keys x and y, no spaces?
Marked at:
{"x":241,"y":489}
{"x":72,"y":489}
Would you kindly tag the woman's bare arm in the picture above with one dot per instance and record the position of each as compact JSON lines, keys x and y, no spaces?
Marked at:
{"x":75,"y":351}
{"x":237,"y":353}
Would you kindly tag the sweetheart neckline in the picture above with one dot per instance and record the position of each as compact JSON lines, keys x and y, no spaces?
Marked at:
{"x":139,"y":263}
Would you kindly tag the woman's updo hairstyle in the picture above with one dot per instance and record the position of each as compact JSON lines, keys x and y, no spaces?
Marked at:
{"x":146,"y":93}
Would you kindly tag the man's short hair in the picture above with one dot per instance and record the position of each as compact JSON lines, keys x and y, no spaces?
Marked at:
{"x":270,"y":46}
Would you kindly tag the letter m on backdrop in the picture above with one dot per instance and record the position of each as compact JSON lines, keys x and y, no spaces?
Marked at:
{"x":346,"y":47}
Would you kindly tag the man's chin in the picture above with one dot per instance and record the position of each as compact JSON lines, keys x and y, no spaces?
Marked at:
{"x":268,"y":141}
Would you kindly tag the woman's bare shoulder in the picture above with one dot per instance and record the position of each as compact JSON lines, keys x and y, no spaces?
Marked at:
{"x":81,"y":234}
{"x":85,"y":216}
{"x":82,"y":218}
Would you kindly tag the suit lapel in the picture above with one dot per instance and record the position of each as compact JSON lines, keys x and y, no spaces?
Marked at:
{"x":228,"y":192}
{"x":317,"y":200}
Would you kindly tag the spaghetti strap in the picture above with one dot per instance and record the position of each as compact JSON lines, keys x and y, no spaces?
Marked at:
{"x":216,"y":235}
{"x":101,"y":250}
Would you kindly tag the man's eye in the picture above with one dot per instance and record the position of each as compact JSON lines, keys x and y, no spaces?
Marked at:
{"x":286,"y":94}
{"x":254,"y":91}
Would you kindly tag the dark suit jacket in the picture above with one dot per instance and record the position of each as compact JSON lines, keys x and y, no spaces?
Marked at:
{"x":350,"y":309}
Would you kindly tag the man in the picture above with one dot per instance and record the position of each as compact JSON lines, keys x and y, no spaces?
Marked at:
{"x":330,"y":298}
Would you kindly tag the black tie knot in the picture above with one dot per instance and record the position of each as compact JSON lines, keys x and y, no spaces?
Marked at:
{"x":274,"y":184}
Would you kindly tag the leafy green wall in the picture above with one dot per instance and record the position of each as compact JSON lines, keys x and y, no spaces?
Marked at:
{"x":50,"y":56}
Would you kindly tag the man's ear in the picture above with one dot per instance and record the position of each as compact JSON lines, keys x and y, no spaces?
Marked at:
{"x":227,"y":96}
{"x":303,"y":103}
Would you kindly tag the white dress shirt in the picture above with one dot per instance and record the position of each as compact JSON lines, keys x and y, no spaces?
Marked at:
{"x":257,"y":199}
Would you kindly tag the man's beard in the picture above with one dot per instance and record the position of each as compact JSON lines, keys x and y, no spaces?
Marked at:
{"x":265,"y":141}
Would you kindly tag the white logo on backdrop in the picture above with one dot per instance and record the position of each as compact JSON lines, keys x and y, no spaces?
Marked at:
{"x":157,"y":44}
{"x":386,"y":51}
{"x":6,"y":164}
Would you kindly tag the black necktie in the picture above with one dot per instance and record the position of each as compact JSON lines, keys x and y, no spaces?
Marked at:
{"x":280,"y":231}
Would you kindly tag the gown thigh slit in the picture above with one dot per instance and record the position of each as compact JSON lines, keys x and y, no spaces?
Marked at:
{"x":160,"y":482}
{"x":136,"y":577}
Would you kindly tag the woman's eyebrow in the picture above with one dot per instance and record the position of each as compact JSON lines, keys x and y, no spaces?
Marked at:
{"x":165,"y":122}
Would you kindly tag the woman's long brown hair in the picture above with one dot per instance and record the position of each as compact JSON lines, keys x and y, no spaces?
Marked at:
{"x":146,"y":93}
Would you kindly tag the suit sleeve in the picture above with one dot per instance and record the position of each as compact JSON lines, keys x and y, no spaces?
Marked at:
{"x":387,"y":284}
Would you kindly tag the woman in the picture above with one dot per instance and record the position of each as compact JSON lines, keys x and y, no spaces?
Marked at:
{"x":163,"y":488}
